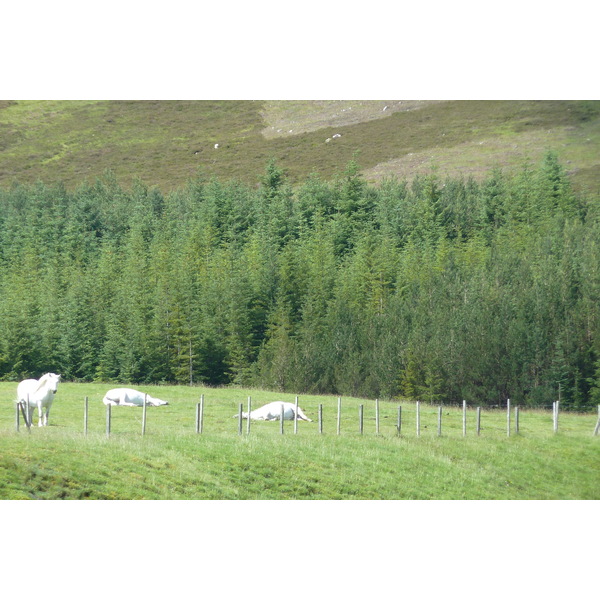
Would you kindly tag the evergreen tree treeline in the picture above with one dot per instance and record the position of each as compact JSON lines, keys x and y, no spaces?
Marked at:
{"x":439,"y":290}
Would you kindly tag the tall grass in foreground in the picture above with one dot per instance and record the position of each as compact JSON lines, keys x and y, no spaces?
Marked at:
{"x":173,"y":462}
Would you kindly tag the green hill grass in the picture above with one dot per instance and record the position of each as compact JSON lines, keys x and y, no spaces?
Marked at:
{"x":164,"y":143}
{"x":171,"y":461}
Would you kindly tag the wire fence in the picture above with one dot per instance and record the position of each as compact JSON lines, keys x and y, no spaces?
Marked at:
{"x":344,"y":417}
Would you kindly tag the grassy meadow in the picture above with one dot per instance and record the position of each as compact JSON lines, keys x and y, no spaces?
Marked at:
{"x":172,"y":462}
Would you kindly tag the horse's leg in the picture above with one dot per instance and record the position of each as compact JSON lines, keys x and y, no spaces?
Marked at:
{"x":47,"y":413}
{"x":40,"y":413}
{"x":125,"y":401}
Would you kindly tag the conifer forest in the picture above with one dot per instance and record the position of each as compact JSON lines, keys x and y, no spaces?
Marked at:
{"x":439,"y":290}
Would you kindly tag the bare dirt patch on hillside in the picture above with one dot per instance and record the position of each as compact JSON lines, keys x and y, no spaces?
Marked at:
{"x":291,"y":117}
{"x":476,"y":158}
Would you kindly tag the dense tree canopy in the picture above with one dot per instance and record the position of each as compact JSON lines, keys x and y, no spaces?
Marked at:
{"x":437,"y":290}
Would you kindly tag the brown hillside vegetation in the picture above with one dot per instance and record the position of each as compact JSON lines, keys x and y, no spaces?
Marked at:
{"x":164,"y":143}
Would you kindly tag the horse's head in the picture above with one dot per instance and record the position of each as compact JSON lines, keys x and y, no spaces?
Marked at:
{"x":52,"y":381}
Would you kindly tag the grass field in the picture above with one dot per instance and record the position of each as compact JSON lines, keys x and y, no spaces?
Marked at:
{"x":171,"y":461}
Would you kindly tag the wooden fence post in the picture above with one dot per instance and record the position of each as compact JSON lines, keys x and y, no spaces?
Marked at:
{"x":296,"y":415}
{"x":249,"y":411}
{"x":144,"y":414}
{"x":464,"y":418}
{"x":516,"y":419}
{"x":320,"y":418}
{"x":508,"y":416}
{"x":377,"y":416}
{"x":360,"y":419}
{"x":240,"y":419}
{"x":85,"y":416}
{"x":201,"y":423}
{"x":26,"y":415}
{"x":339,"y":415}
{"x":418,"y":419}
{"x":439,"y":421}
{"x":597,"y":428}
{"x":399,"y":423}
{"x":27,"y":412}
{"x":478,"y":420}
{"x":108,"y":417}
{"x":556,"y":409}
{"x":200,"y":415}
{"x":281,"y":419}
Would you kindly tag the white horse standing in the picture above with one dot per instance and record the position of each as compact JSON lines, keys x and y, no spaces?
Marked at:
{"x":272,"y":412}
{"x":130,"y":397}
{"x":38,"y":393}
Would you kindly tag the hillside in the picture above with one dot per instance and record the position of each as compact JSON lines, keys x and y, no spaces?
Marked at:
{"x":172,"y":462}
{"x":164,"y":143}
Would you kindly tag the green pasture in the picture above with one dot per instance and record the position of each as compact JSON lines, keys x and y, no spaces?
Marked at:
{"x":171,"y":461}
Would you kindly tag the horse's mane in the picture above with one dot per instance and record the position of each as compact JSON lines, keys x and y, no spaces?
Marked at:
{"x":42,"y":381}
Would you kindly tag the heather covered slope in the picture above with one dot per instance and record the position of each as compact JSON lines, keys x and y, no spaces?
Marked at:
{"x":164,"y":143}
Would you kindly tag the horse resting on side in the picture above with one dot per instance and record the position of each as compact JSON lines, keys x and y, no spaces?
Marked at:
{"x":272,"y":412}
{"x":130,"y":397}
{"x":38,"y":393}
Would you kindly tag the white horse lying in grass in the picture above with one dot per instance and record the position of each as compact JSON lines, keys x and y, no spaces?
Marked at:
{"x":129,"y":397}
{"x":272,"y":412}
{"x":38,"y":393}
